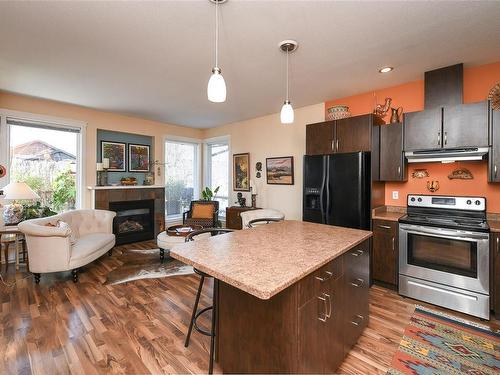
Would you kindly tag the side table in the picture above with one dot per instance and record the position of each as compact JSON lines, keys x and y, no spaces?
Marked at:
{"x":18,"y":238}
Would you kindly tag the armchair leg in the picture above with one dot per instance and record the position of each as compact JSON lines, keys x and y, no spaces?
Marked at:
{"x":37,"y":278}
{"x":75,"y":275}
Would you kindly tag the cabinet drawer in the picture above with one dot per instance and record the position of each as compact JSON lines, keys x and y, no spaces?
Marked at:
{"x":312,"y":285}
{"x":385,"y":226}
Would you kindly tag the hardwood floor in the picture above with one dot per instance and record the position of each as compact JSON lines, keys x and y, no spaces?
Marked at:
{"x":59,"y":327}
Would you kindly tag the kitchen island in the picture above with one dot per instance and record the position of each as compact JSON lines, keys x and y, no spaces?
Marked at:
{"x":291,"y":297}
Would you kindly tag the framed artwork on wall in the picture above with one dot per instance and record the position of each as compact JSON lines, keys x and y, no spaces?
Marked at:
{"x":115,"y":152}
{"x":138,"y":158}
{"x":279,"y":171}
{"x":241,"y":172}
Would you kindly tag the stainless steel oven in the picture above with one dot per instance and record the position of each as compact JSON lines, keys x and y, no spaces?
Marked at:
{"x":444,"y":259}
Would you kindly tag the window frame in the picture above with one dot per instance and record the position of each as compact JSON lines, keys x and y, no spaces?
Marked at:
{"x":177,"y":219}
{"x":54,"y":122}
{"x":207,"y":167}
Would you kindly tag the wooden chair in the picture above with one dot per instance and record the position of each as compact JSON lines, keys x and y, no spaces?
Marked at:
{"x":204,"y":213}
{"x":195,"y":314}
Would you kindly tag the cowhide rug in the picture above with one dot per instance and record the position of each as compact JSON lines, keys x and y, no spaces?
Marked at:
{"x":145,"y":264}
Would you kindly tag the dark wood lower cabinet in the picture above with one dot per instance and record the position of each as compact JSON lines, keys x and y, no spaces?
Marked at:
{"x":307,"y":328}
{"x":385,"y":252}
{"x":495,"y":274}
{"x":233,"y":218}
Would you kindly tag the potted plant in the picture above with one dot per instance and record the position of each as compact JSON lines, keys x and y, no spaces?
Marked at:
{"x":208,"y":194}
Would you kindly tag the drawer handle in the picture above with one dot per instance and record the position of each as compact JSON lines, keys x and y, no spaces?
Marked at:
{"x":384,"y":226}
{"x":329,"y":314}
{"x":357,"y":285}
{"x":357,"y":323}
{"x":324,"y":316}
{"x":393,"y":244}
{"x":357,"y":253}
{"x":323,"y":279}
{"x":495,"y":171}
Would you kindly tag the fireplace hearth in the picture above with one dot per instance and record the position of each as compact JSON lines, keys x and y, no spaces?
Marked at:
{"x":134,"y":220}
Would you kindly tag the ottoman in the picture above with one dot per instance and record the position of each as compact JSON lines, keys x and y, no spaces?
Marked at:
{"x":166,"y":242}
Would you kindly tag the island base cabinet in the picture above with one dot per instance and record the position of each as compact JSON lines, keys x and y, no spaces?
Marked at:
{"x":304,"y":329}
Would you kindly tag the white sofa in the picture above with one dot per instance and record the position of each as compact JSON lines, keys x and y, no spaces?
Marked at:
{"x":264,"y":213}
{"x":56,"y":249}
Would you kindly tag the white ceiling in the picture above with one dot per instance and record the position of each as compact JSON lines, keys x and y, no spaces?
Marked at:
{"x":153,"y":59}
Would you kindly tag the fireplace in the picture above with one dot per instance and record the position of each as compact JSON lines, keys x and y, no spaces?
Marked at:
{"x":134,"y":220}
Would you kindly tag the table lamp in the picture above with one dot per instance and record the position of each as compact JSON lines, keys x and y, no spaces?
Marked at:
{"x":14,"y":191}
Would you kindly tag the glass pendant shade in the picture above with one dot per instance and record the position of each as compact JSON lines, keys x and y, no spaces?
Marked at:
{"x":286,"y":114}
{"x":216,"y":89}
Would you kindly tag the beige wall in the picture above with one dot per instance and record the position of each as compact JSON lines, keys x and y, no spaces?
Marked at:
{"x":266,"y":137}
{"x":98,"y":120}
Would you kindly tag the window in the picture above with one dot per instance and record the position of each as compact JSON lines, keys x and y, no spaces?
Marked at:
{"x":217,"y":172}
{"x":47,"y":157}
{"x":182,"y":182}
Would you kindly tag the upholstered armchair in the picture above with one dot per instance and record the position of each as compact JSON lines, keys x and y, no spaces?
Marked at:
{"x":67,"y":241}
{"x":204,"y":213}
{"x":264,"y":213}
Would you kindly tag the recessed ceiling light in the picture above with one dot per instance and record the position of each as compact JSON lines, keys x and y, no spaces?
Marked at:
{"x":386,"y":69}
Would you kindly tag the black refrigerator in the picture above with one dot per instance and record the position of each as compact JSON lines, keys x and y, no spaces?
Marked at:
{"x":337,"y":189}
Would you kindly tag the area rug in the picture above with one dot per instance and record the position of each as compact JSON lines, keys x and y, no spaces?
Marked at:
{"x":145,"y":264}
{"x":440,"y":344}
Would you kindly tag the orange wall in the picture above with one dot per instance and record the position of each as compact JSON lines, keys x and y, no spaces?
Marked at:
{"x":477,"y":83}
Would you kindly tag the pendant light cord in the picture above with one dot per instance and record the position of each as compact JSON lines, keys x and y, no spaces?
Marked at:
{"x":287,"y":88}
{"x":216,"y":33}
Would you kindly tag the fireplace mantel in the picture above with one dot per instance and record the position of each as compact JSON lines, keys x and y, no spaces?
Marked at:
{"x":111,"y":187}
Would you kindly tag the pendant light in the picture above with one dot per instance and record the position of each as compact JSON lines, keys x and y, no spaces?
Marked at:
{"x":286,"y":115}
{"x":216,"y":89}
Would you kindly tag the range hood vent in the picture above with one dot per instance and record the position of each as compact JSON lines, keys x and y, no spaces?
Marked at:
{"x":448,"y":155}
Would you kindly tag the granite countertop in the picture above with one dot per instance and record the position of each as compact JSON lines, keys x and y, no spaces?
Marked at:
{"x":265,"y":260}
{"x":391,"y":213}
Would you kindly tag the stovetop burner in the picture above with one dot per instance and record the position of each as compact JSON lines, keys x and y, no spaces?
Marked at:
{"x":462,"y":213}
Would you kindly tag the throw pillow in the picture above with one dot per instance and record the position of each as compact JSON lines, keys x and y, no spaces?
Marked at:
{"x":64,"y":225}
{"x":202,"y":211}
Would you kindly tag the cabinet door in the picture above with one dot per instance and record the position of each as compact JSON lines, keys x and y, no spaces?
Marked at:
{"x":392,"y":166}
{"x":423,"y":130}
{"x":335,"y":326}
{"x":466,"y":125}
{"x":319,"y":138}
{"x":353,"y":134}
{"x":495,"y":285}
{"x":494,"y":156}
{"x":356,"y":289}
{"x":385,"y":251}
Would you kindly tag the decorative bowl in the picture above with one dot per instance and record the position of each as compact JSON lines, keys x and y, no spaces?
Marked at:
{"x":337,"y":112}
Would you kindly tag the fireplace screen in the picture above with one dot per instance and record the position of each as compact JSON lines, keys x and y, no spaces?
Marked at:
{"x":134,"y":220}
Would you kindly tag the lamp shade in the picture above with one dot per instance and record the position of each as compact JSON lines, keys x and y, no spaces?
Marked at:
{"x":19,"y":190}
{"x":286,"y":115}
{"x":216,"y":89}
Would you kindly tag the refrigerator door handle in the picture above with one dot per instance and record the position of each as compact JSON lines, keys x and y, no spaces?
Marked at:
{"x":327,"y":214}
{"x":322,"y":189}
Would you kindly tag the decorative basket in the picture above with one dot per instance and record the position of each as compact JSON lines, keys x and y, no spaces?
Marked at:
{"x":337,"y":112}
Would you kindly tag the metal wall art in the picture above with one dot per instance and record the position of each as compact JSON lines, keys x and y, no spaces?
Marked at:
{"x":420,"y":173}
{"x":3,"y":171}
{"x":433,"y":186}
{"x":258,"y":167}
{"x":494,"y":96}
{"x":461,"y":174}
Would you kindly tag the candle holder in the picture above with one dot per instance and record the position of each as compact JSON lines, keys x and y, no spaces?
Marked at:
{"x":254,"y":200}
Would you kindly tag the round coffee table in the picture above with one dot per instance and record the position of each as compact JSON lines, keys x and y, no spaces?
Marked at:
{"x":172,"y":236}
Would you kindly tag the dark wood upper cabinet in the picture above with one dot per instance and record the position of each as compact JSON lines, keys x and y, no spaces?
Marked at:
{"x":494,"y":157}
{"x":385,"y":252}
{"x":319,"y":138}
{"x":423,"y":129}
{"x":392,"y":161}
{"x":351,"y":134}
{"x":466,"y":125}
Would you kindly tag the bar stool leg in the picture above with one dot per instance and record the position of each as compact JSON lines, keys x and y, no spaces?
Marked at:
{"x":195,"y":309}
{"x":213,"y":330}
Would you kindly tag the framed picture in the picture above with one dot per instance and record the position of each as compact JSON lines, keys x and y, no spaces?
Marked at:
{"x":115,"y":152}
{"x":138,"y":158}
{"x":241,"y":172}
{"x":280,"y":170}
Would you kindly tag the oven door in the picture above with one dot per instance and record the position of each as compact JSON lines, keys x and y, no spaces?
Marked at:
{"x":445,"y":256}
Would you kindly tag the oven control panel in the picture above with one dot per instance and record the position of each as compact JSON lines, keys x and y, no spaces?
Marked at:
{"x":452,"y":203}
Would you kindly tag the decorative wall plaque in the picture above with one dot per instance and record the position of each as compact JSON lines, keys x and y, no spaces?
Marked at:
{"x":461,"y":174}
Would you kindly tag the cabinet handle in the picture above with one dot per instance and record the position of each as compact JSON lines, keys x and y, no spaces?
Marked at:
{"x":360,"y":317}
{"x":439,"y":138}
{"x":323,"y":279}
{"x":357,"y":253}
{"x":445,"y":138}
{"x":329,"y":314}
{"x":338,"y":142}
{"x":399,"y":171}
{"x":360,"y":283}
{"x":333,"y":144}
{"x":495,"y":169}
{"x":324,"y":316}
{"x":384,"y":226}
{"x":498,"y":245}
{"x":393,"y":244}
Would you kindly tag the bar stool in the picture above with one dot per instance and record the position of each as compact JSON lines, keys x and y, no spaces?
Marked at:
{"x":265,"y":220}
{"x":195,"y":314}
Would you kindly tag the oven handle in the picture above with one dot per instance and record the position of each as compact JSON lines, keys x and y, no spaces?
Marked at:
{"x":444,"y":233}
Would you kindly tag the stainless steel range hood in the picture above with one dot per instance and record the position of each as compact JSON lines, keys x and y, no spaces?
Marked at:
{"x":447,"y":155}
